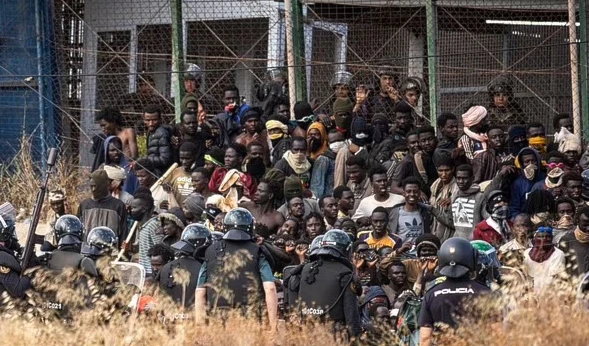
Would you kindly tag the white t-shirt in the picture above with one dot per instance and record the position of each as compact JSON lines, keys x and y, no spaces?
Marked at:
{"x":543,"y":273}
{"x":368,"y":204}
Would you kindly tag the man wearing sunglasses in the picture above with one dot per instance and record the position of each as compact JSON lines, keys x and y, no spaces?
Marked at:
{"x":304,"y":116}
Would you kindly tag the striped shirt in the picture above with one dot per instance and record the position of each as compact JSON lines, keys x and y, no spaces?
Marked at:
{"x":470,"y":146}
{"x":463,"y":211}
{"x":147,"y":239}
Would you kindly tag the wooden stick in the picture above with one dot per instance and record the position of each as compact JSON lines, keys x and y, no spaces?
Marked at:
{"x":159,"y":182}
{"x":129,"y":236}
{"x":164,"y":177}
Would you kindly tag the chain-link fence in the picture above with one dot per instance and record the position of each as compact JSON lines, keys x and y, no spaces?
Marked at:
{"x":98,"y":53}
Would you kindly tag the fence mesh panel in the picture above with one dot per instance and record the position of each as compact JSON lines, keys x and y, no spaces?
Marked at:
{"x":119,"y":53}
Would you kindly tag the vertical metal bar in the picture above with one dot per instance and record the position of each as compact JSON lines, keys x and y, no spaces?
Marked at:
{"x":574,"y":68}
{"x":290,"y":54}
{"x":177,"y":56}
{"x":431,"y":29}
{"x":41,"y":80}
{"x":584,"y":61}
{"x":299,"y":48}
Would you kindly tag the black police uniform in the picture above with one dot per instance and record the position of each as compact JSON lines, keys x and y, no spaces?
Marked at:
{"x":174,"y":290}
{"x":443,"y":299}
{"x":10,"y":280}
{"x":325,"y":292}
{"x":70,"y":257}
{"x":220,"y":263}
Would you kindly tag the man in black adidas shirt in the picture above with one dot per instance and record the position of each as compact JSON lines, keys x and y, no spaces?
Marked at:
{"x":445,"y":294}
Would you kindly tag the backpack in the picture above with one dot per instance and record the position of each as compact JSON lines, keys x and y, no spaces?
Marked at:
{"x":407,"y":308}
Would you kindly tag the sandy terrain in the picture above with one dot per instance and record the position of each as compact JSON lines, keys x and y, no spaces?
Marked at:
{"x":22,"y":229}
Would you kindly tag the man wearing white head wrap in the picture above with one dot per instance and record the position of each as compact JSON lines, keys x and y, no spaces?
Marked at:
{"x":474,"y":139}
{"x":60,"y":207}
{"x":117,"y":177}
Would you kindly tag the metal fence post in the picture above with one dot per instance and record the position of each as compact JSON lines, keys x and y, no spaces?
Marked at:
{"x":574,"y":68}
{"x":41,"y":81}
{"x":584,"y":61}
{"x":299,"y":49}
{"x":290,"y":54}
{"x":432,"y":30}
{"x":177,"y":58}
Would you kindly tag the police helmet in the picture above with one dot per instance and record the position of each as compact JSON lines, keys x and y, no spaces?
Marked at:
{"x":585,"y":191}
{"x":315,"y":245}
{"x":487,"y":265}
{"x":457,"y":257}
{"x":7,"y":230}
{"x":238,"y":224}
{"x":99,"y":241}
{"x":411,"y":83}
{"x":385,"y":71}
{"x":341,"y":77}
{"x":193,"y":72}
{"x":335,"y":240}
{"x":275,"y":73}
{"x":68,"y":230}
{"x":499,"y":87}
{"x":195,"y":238}
{"x":216,"y":236}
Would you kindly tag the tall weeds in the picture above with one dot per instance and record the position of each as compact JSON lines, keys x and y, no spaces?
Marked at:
{"x":21,"y":178}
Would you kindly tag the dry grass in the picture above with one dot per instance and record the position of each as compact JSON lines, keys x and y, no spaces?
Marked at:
{"x":20,"y":180}
{"x":547,"y":319}
{"x":509,"y":317}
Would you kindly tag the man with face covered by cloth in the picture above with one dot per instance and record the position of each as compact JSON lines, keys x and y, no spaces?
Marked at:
{"x":342,"y":113}
{"x":544,"y":262}
{"x":516,"y":140}
{"x":278,"y":139}
{"x":360,"y":135}
{"x":103,"y":209}
{"x":532,"y":172}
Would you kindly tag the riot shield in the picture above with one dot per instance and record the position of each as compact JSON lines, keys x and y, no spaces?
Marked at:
{"x":131,"y":274}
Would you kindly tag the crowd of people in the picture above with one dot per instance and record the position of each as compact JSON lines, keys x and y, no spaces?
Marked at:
{"x":336,"y":216}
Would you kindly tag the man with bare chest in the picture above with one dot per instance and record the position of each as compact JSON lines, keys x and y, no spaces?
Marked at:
{"x":111,"y":122}
{"x":263,"y":206}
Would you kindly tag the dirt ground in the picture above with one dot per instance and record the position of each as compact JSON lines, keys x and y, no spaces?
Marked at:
{"x":22,"y":229}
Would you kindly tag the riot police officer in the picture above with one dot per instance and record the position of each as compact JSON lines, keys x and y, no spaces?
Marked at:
{"x":325,"y":290}
{"x":69,"y":232}
{"x":191,"y":250}
{"x":458,"y":260}
{"x":235,"y":273}
{"x":101,"y":241}
{"x":10,"y":269}
{"x":341,"y":84}
{"x":292,"y":279}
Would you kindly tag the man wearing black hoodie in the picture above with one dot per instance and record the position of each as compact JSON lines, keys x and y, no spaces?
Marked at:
{"x":159,"y":140}
{"x":103,"y":209}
